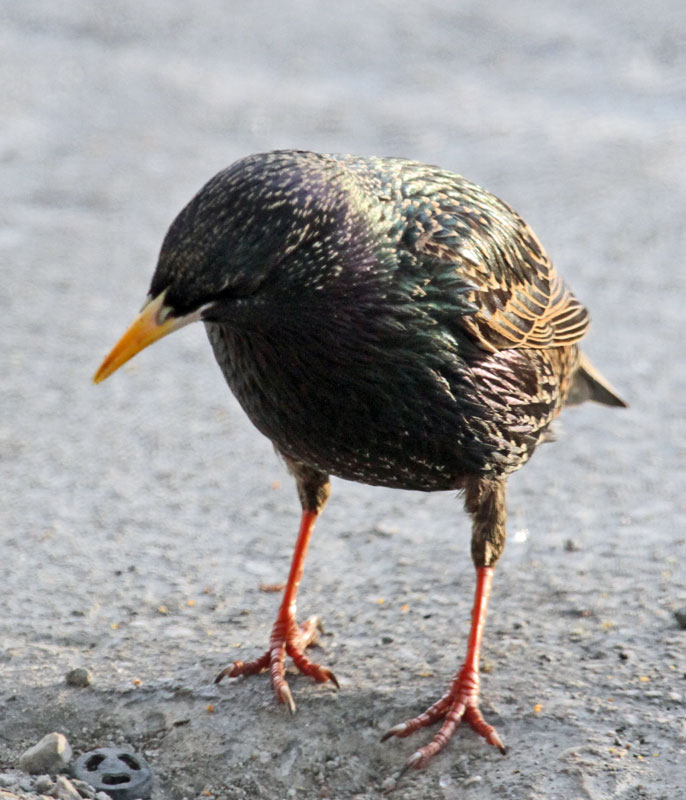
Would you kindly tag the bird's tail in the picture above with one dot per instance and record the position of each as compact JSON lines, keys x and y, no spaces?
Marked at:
{"x":589,"y":384}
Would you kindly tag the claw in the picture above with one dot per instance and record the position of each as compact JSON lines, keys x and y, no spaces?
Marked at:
{"x":396,"y":730}
{"x":316,"y":621}
{"x":496,"y":741}
{"x":244,"y":668}
{"x":330,"y":676}
{"x":285,"y":696}
{"x":308,"y":632}
{"x":413,"y":762}
{"x":223,"y":674}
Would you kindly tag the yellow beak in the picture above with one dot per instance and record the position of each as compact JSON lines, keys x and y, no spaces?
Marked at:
{"x":151,"y":324}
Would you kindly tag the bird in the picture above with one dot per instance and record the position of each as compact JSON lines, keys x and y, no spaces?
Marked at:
{"x":387,"y":322}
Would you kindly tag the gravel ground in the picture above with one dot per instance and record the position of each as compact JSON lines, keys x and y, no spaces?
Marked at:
{"x":138,"y":519}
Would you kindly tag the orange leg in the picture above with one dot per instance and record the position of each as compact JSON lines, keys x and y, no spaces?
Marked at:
{"x":287,"y":636}
{"x":461,"y":701}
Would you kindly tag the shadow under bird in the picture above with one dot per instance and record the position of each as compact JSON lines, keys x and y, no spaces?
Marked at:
{"x":387,"y":322}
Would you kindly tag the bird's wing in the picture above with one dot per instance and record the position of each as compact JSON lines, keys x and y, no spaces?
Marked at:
{"x":519,"y":299}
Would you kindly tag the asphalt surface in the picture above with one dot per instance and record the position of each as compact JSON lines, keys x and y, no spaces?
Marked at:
{"x":139,"y":518}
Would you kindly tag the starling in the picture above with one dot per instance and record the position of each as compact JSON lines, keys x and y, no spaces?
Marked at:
{"x":387,"y":322}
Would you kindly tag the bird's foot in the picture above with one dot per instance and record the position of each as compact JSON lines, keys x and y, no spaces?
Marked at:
{"x":460,"y":702}
{"x":287,"y":638}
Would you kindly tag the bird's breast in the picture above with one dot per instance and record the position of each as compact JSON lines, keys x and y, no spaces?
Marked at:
{"x":391,"y":418}
{"x":356,"y":418}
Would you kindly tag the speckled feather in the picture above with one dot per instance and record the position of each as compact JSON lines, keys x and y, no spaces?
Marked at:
{"x":379,"y":319}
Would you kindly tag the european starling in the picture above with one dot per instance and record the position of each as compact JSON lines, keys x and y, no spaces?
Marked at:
{"x":387,"y":322}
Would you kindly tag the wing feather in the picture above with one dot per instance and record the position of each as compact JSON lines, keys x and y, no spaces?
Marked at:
{"x":520,"y":300}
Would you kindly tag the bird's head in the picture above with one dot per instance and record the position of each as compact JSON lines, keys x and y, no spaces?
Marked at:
{"x":252,"y":236}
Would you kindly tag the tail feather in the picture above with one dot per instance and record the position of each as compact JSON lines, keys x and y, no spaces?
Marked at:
{"x":589,"y":384}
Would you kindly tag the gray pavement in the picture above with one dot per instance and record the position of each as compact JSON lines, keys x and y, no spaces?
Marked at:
{"x":138,"y":518}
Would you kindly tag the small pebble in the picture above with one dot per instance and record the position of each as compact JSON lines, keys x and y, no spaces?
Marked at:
{"x":65,"y":789}
{"x":680,"y":616}
{"x":43,"y":784}
{"x":83,"y":788}
{"x":384,"y":529}
{"x":50,"y":755}
{"x":7,"y":780}
{"x":102,"y":796}
{"x":471,"y":781}
{"x":80,"y":677}
{"x":572,"y":546}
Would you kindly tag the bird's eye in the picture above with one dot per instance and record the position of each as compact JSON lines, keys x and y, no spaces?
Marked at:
{"x":227,"y":293}
{"x":214,"y":309}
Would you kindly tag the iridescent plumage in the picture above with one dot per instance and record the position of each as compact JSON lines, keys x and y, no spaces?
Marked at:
{"x":387,"y":322}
